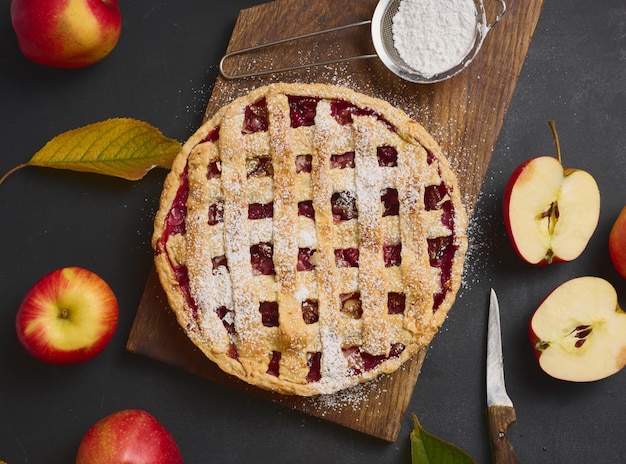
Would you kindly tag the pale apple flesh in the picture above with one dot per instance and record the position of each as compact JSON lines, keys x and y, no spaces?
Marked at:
{"x":550,"y":213}
{"x":617,"y":243}
{"x":579,"y":331}
{"x":66,"y":33}
{"x":68,"y":316}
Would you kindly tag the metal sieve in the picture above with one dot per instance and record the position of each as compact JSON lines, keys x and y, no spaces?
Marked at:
{"x":382,"y":39}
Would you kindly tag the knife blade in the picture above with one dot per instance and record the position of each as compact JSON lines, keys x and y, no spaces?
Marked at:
{"x":500,"y":410}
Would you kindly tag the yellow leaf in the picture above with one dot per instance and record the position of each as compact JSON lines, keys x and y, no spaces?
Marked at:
{"x":121,"y":147}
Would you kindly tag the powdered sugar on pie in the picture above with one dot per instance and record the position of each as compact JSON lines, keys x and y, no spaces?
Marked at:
{"x":310,"y":238}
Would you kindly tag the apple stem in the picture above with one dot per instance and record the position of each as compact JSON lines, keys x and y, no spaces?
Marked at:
{"x":556,"y":139}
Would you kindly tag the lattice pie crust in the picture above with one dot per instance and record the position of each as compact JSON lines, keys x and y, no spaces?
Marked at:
{"x":310,"y":238}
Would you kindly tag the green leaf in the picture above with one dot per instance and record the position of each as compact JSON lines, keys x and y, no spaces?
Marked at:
{"x":426,"y":448}
{"x":121,"y":147}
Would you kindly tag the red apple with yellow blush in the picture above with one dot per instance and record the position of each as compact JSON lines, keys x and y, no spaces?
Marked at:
{"x":129,"y":436}
{"x":68,"y":316}
{"x":66,"y":33}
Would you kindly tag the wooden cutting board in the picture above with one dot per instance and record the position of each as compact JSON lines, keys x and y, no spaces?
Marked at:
{"x":465,"y":114}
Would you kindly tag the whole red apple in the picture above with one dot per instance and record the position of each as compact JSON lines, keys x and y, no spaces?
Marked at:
{"x":617,"y":243}
{"x":130,"y":436}
{"x":66,"y":33}
{"x":68,"y":316}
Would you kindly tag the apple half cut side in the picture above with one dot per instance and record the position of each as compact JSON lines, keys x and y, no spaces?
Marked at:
{"x":550,"y":213}
{"x":68,"y":316}
{"x":578,"y":332}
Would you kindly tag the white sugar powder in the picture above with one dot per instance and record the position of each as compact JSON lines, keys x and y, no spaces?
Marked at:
{"x":433,"y":36}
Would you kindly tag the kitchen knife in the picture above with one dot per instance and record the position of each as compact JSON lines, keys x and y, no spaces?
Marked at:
{"x":500,"y":411}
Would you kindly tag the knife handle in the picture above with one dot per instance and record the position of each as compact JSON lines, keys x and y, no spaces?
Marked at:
{"x":499,"y":419}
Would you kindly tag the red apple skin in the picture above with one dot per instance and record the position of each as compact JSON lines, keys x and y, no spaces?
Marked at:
{"x":68,"y":316}
{"x":617,"y":243}
{"x":66,"y":33}
{"x":130,"y":436}
{"x":506,"y":201}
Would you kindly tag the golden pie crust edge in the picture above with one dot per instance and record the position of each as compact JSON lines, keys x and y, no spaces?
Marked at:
{"x":407,"y":129}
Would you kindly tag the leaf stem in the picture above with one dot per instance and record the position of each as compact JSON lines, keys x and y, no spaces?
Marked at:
{"x":16,"y":168}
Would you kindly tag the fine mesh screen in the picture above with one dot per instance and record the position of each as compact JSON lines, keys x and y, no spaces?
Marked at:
{"x":386,"y":33}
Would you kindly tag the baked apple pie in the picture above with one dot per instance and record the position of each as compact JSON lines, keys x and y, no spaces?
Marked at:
{"x":310,"y":238}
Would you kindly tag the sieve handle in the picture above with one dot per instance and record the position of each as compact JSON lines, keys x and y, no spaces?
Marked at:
{"x":290,"y":39}
{"x":499,"y":17}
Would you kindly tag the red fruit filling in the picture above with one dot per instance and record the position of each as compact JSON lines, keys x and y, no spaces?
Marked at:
{"x":255,"y":117}
{"x":345,"y":160}
{"x":391,"y":205}
{"x":216,"y":213}
{"x":232,"y":351}
{"x":213,"y":170}
{"x":441,"y":251}
{"x":269,"y":313}
{"x":392,"y":254}
{"x":310,"y":312}
{"x":212,"y":136}
{"x":314,"y":364}
{"x":260,"y":210}
{"x":304,"y":259}
{"x":396,"y":302}
{"x":175,"y":220}
{"x":273,"y":366}
{"x":227,"y":317}
{"x":219,"y":261}
{"x":358,"y":360}
{"x":361,"y":361}
{"x":387,"y":156}
{"x":347,"y":257}
{"x":302,"y":110}
{"x":344,"y":206}
{"x":351,"y":305}
{"x":182,"y":277}
{"x":343,"y":110}
{"x":305,"y":208}
{"x":303,"y":163}
{"x":261,"y":259}
{"x":436,"y":198}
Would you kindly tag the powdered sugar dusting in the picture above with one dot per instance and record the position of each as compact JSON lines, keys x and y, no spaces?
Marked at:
{"x":433,"y":36}
{"x":337,"y":347}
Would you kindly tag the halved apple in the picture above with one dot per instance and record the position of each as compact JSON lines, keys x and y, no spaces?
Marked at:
{"x":550,"y":212}
{"x":579,"y":331}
